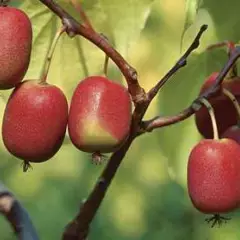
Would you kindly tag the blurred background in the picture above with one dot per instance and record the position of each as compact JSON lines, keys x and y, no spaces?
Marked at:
{"x":148,"y":198}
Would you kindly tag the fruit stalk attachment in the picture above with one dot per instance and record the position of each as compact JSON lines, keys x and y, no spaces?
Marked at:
{"x":48,"y":60}
{"x":206,"y":103}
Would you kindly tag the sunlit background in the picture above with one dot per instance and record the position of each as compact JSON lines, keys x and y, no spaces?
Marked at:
{"x":148,"y":198}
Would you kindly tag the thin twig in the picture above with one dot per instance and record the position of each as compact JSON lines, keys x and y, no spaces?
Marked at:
{"x":180,"y":63}
{"x":78,"y":228}
{"x":216,"y":87}
{"x":16,"y":215}
{"x":141,"y":110}
{"x":159,"y":122}
{"x":230,"y":49}
{"x":213,"y":91}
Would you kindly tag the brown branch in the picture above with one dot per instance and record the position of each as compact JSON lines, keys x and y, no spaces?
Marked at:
{"x":75,"y":28}
{"x":79,"y":227}
{"x":230,"y":49}
{"x":216,"y":87}
{"x":180,"y":63}
{"x":16,"y":215}
{"x":141,"y":109}
{"x":159,"y":122}
{"x":214,"y":91}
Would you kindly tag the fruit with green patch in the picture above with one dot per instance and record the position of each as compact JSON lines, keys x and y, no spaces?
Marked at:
{"x":99,"y":116}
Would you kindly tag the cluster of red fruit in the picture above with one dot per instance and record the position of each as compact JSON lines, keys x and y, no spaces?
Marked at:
{"x":214,"y":163}
{"x":36,"y":118}
{"x":36,"y":115}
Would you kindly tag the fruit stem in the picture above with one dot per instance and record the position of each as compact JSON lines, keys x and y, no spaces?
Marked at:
{"x":105,"y":68}
{"x":48,"y":60}
{"x":106,"y":61}
{"x":210,"y":109}
{"x":233,"y":99}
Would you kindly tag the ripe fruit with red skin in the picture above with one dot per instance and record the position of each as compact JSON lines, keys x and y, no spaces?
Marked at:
{"x":100,"y":115}
{"x":16,"y":44}
{"x":213,"y":176}
{"x":233,"y":133}
{"x":225,"y":112}
{"x":35,"y":121}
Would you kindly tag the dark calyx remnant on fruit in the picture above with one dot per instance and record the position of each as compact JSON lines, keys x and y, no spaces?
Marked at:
{"x":26,"y":165}
{"x":99,"y":116}
{"x":98,"y":158}
{"x":35,"y":121}
{"x":16,"y":45}
{"x":217,"y":219}
{"x":225,"y":112}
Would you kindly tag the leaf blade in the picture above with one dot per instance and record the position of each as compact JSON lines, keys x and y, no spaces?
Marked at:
{"x":191,"y":10}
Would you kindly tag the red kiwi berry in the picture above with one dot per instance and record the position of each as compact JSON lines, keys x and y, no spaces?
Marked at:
{"x":16,"y":45}
{"x":225,"y":112}
{"x":35,"y":121}
{"x":99,"y":116}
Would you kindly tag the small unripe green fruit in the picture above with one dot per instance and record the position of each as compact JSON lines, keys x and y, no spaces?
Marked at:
{"x":100,"y":115}
{"x":35,"y":121}
{"x":15,"y":45}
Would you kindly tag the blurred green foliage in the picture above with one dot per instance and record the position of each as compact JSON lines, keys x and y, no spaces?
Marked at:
{"x":148,"y":198}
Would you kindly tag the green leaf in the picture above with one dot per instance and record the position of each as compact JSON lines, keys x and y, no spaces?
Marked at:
{"x":226,"y":19}
{"x":126,"y":19}
{"x":191,"y":7}
{"x":74,"y":59}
